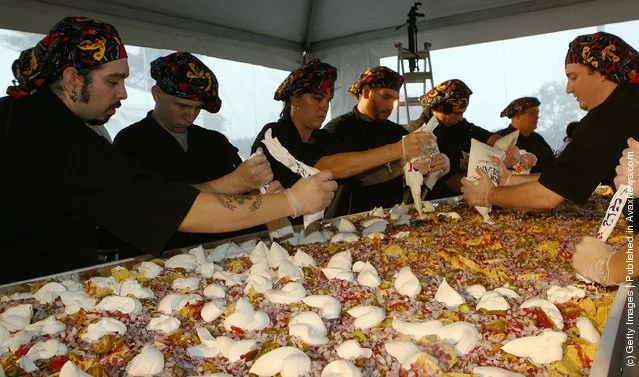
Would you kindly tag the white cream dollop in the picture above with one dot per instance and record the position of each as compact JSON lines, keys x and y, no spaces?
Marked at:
{"x":376,"y":212}
{"x":309,"y":327}
{"x":212,"y":310}
{"x":186,"y":284}
{"x":287,"y":361}
{"x":587,"y":330}
{"x":559,"y":295}
{"x":246,"y":318}
{"x":303,"y":259}
{"x":16,"y":317}
{"x":405,"y":352}
{"x":234,"y":350}
{"x":69,"y":369}
{"x":352,"y":350}
{"x":49,"y":325}
{"x":339,"y":267}
{"x":176,"y":301}
{"x":163,"y":323}
{"x":291,"y":293}
{"x":407,"y":283}
{"x":341,"y":368}
{"x":149,"y":362}
{"x":345,"y":226}
{"x":149,"y":270}
{"x":367,"y":274}
{"x":74,"y":301}
{"x":215,"y":290}
{"x":104,"y":326}
{"x":124,"y":305}
{"x":547,"y":307}
{"x":448,"y":296}
{"x":476,"y":291}
{"x":106,"y":283}
{"x":397,"y":211}
{"x":207,"y":269}
{"x":493,"y":300}
{"x":49,"y":292}
{"x":344,"y":237}
{"x":450,"y":215}
{"x":417,"y":329}
{"x":208,"y":347}
{"x":330,"y":306}
{"x":132,"y":287}
{"x":543,"y":349}
{"x":507,"y":292}
{"x":374,"y":226}
{"x":230,"y":279}
{"x":463,"y":335}
{"x":367,"y":316}
{"x":185,"y":261}
{"x":46,"y":350}
{"x":494,"y":372}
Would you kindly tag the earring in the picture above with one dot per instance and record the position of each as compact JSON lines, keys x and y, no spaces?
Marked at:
{"x":74,"y":97}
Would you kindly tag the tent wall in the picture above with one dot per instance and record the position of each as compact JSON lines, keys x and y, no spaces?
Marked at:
{"x":164,"y":33}
{"x":353,"y":55}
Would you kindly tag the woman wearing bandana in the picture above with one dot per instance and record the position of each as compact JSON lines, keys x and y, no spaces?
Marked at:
{"x":447,"y":102}
{"x":306,"y":94}
{"x":61,"y":180}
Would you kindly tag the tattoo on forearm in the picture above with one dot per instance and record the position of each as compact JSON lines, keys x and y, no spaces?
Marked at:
{"x":231,"y":202}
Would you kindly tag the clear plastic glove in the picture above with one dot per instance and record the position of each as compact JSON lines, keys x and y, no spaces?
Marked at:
{"x":439,"y":165}
{"x":591,"y":260}
{"x":476,"y":192}
{"x":414,"y":144}
{"x":251,"y":174}
{"x":527,"y":161}
{"x":312,"y":194}
{"x":421,"y":164}
{"x":624,"y":161}
{"x":504,"y":174}
{"x":512,"y":155}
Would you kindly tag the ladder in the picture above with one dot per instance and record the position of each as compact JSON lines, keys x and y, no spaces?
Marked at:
{"x":425,"y":77}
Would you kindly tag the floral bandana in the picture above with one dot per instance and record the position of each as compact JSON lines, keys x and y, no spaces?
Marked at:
{"x":377,"y":77}
{"x":183,"y":75}
{"x":75,"y":42}
{"x":608,"y":54}
{"x":519,"y":105}
{"x":454,"y":92}
{"x":313,"y":77}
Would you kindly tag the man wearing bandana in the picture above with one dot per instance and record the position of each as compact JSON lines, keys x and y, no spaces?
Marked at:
{"x":306,"y":94}
{"x":167,"y":142}
{"x":61,"y":180}
{"x":523,"y":114}
{"x":602,"y":76}
{"x":367,"y":128}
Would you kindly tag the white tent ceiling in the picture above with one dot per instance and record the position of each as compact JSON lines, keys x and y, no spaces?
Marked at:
{"x":350,"y":34}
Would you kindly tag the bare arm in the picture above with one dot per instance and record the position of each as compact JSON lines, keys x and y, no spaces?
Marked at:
{"x":530,"y":196}
{"x":621,"y":263}
{"x":517,"y":179}
{"x":251,"y":174}
{"x":344,"y":165}
{"x":381,"y":174}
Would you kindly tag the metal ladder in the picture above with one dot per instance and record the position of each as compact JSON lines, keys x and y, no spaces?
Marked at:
{"x":424,"y":77}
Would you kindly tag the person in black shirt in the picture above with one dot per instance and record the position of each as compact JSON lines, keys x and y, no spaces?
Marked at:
{"x":306,"y":94}
{"x":602,"y":75}
{"x":448,"y":102}
{"x":61,"y":180}
{"x":524,"y":114}
{"x":167,"y":142}
{"x":368,"y":131}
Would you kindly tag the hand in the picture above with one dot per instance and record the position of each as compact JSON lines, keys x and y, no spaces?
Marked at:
{"x":251,"y":174}
{"x":504,"y":174}
{"x":440,"y":165}
{"x":512,"y":155}
{"x":274,"y":187}
{"x":414,"y":144}
{"x":476,"y":192}
{"x":591,"y":260}
{"x":527,"y":161}
{"x":421,"y":164}
{"x":312,"y":194}
{"x":625,"y":162}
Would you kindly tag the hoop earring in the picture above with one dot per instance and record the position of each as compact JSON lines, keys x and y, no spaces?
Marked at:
{"x":74,"y":97}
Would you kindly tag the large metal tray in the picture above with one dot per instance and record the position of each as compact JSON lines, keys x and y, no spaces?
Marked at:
{"x":603,"y":363}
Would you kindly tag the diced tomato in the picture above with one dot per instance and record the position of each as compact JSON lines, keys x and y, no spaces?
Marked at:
{"x":57,"y":362}
{"x":237,"y":331}
{"x":399,"y":306}
{"x":585,"y":360}
{"x":569,"y":310}
{"x":22,"y":350}
{"x":541,"y":319}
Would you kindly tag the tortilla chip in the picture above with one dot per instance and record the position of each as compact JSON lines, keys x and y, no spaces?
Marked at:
{"x":589,"y":307}
{"x":550,"y":247}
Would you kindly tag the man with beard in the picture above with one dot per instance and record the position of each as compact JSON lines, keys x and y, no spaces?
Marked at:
{"x":602,"y":75}
{"x":167,"y":142}
{"x":367,"y":127}
{"x":61,"y":180}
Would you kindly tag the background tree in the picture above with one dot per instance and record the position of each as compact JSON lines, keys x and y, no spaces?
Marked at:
{"x":557,"y":109}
